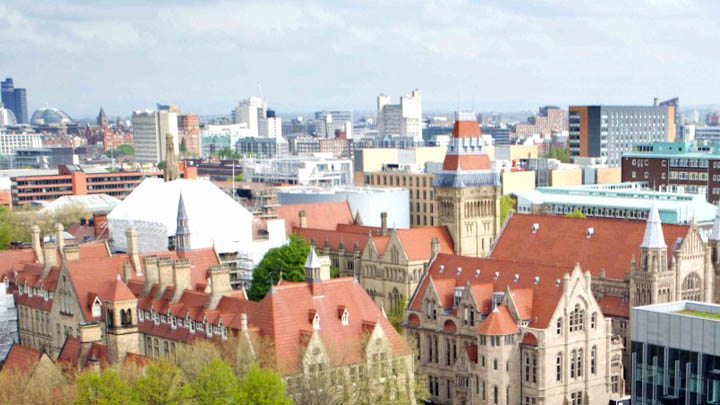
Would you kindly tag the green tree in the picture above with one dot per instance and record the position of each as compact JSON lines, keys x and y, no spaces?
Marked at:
{"x":396,"y":314}
{"x":506,"y":204}
{"x":561,"y":154}
{"x":215,"y":385}
{"x":122,"y":150}
{"x":105,"y":388}
{"x":575,"y":214}
{"x":183,"y":147}
{"x":161,"y":165}
{"x":239,"y":177}
{"x":288,"y":259}
{"x":262,"y":387}
{"x":160,"y":385}
{"x":6,"y":229}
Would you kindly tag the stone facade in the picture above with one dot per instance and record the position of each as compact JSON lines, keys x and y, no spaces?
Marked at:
{"x":491,"y":338}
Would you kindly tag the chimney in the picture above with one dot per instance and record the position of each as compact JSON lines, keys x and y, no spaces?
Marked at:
{"x":151,"y":273}
{"x":127,"y":272}
{"x":50,"y":253}
{"x":383,"y":223}
{"x":71,"y":252}
{"x":59,"y":236}
{"x":99,"y":223}
{"x":165,"y":276}
{"x":35,"y":232}
{"x":243,"y":322}
{"x":219,"y":284}
{"x":132,"y":247}
{"x":434,"y":247}
{"x":303,"y":219}
{"x":181,"y":278}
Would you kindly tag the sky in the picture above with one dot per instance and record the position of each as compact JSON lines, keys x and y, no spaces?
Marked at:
{"x":500,"y":55}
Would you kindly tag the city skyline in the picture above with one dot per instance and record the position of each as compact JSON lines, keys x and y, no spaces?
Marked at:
{"x":490,"y":56}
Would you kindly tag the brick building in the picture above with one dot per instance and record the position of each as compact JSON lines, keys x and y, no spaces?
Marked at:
{"x":676,"y":166}
{"x":189,"y":132}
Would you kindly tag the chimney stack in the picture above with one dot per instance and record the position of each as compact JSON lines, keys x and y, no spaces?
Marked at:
{"x":59,"y":229}
{"x":71,"y":252}
{"x":151,"y":273}
{"x":99,"y":223}
{"x":219,"y":284}
{"x":131,"y":241}
{"x":303,"y":219}
{"x":181,"y":278}
{"x":127,"y":272}
{"x":50,"y":253}
{"x":165,"y":276}
{"x":35,"y":232}
{"x":383,"y":223}
{"x":434,"y":247}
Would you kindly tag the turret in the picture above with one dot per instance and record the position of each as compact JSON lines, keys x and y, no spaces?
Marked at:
{"x":653,"y":250}
{"x":182,"y":232}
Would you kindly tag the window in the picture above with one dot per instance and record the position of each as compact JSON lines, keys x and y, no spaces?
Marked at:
{"x":96,"y":308}
{"x":580,"y":363}
{"x":593,"y":355}
{"x":495,"y":394}
{"x":573,"y":355}
{"x":345,"y":318}
{"x":558,"y":326}
{"x":593,"y":319}
{"x":558,"y":367}
{"x":576,"y":398}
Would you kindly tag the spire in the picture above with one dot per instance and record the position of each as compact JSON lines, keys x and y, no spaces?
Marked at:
{"x":715,"y":233}
{"x":171,"y":164}
{"x":653,"y":237}
{"x":313,"y":261}
{"x":358,"y":219}
{"x":182,"y":231}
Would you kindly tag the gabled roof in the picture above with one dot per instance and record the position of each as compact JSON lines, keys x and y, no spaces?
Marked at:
{"x":499,"y":322}
{"x":614,"y":306}
{"x":320,"y":215}
{"x":564,"y":241}
{"x":536,"y":300}
{"x":21,"y":358}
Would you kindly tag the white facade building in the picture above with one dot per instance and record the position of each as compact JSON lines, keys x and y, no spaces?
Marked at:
{"x":404,"y":119}
{"x":150,"y":129}
{"x":320,"y":169}
{"x":250,"y":111}
{"x":216,"y":137}
{"x":273,"y":127}
{"x":10,"y":142}
{"x":7,"y":117}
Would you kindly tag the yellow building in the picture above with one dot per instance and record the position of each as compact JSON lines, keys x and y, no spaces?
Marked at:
{"x":423,"y":211}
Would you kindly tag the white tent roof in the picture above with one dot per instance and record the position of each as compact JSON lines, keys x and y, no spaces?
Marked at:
{"x":214,"y":218}
{"x":91,"y":202}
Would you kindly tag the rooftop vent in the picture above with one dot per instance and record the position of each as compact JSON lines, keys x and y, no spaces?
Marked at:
{"x":459,"y":270}
{"x":477,"y":273}
{"x":442,"y":267}
{"x":496,"y":275}
{"x":590,"y":232}
{"x":557,"y":282}
{"x":535,"y":228}
{"x":516,"y":278}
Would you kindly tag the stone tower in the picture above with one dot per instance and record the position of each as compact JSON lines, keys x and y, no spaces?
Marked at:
{"x":171,"y":164}
{"x":102,"y":120}
{"x":652,"y":280}
{"x":121,"y":324}
{"x":182,"y":231}
{"x":467,"y":191}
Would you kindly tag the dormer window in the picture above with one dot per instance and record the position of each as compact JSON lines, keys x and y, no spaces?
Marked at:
{"x":192,"y":327}
{"x":345,"y":318}
{"x":223,"y":330}
{"x":97,"y":308}
{"x":173,"y":322}
{"x":141,"y":316}
{"x":208,"y":329}
{"x":316,"y":321}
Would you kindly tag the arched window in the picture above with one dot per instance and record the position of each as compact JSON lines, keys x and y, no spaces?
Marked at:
{"x":573,"y":355}
{"x":692,"y":288}
{"x":580,"y":363}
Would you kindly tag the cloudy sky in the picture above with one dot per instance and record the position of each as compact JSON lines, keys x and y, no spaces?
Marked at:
{"x":306,"y":55}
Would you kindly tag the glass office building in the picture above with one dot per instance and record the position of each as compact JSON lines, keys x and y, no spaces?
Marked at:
{"x":676,"y":353}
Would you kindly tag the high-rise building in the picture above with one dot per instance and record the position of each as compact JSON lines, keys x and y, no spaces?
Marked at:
{"x":250,"y":111}
{"x":608,"y":131}
{"x":271,"y":126}
{"x":189,"y":129}
{"x":467,"y":192}
{"x":150,"y":129}
{"x":15,"y":99}
{"x":403,"y":120}
{"x":328,"y":123}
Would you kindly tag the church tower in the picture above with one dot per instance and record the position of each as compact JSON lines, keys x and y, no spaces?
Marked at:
{"x":182,"y":231}
{"x":467,"y":191}
{"x":652,"y":280}
{"x":171,"y":164}
{"x":121,"y":324}
{"x":102,"y":120}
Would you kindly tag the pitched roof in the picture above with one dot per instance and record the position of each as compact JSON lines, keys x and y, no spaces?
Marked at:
{"x":614,"y":306}
{"x":466,"y":129}
{"x":535,"y":299}
{"x":563,"y":241}
{"x":499,"y":322}
{"x":320,"y":215}
{"x":479,"y":161}
{"x":21,"y":358}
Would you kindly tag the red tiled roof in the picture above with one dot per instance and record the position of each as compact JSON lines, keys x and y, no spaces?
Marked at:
{"x":614,"y":306}
{"x":466,"y":129}
{"x":416,"y":241}
{"x":120,"y":292}
{"x":21,"y":358}
{"x":72,"y":353}
{"x":538,"y":305}
{"x":10,"y":258}
{"x":137,"y":359}
{"x":479,"y":161}
{"x":499,"y":322}
{"x":321,"y":215}
{"x":563,"y":241}
{"x":529,"y":339}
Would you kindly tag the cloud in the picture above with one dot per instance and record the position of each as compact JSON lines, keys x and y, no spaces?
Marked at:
{"x":205,"y":56}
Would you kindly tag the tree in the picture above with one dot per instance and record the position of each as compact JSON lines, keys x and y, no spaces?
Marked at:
{"x":121,"y":150}
{"x":288,"y":259}
{"x":160,"y":385}
{"x":262,"y":387}
{"x":6,"y":231}
{"x":183,"y":147}
{"x":104,"y":388}
{"x":239,"y":177}
{"x":161,"y":165}
{"x":576,"y":213}
{"x":506,"y":205}
{"x":215,"y":385}
{"x":396,"y":314}
{"x":561,"y":154}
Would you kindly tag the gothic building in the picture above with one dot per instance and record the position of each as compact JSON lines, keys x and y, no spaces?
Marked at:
{"x":387,"y":262}
{"x":493,"y":331}
{"x":631,"y":262}
{"x":467,"y":192}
